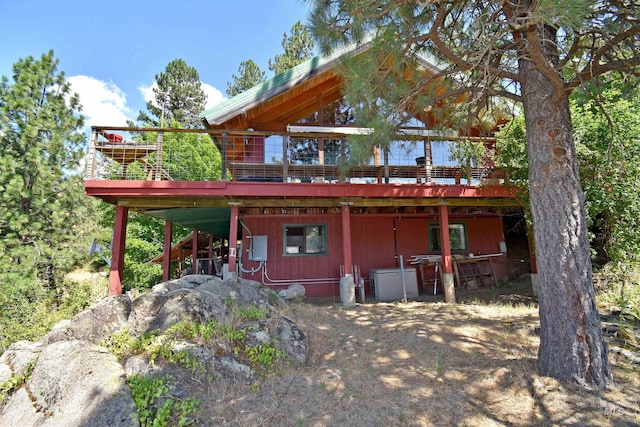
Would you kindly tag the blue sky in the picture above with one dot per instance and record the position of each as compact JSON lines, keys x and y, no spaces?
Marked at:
{"x":111,"y":51}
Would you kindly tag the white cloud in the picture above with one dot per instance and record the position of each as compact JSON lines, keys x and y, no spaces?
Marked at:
{"x":214,"y":96}
{"x":147,"y":93}
{"x":103,"y":103}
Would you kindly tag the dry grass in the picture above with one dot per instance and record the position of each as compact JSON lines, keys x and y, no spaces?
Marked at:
{"x":424,"y":364}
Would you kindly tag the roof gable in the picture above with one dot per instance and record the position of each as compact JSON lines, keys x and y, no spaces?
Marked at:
{"x":292,"y":95}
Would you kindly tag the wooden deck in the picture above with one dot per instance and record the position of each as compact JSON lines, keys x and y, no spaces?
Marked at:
{"x":127,"y":152}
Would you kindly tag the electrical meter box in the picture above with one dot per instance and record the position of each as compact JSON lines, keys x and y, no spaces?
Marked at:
{"x":258,"y":248}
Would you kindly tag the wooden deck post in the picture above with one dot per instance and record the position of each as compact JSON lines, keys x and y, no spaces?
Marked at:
{"x":224,"y":157}
{"x":233,"y":239}
{"x":346,"y":239}
{"x":166,"y":257}
{"x":447,"y":263}
{"x":210,"y":269}
{"x":117,"y":250}
{"x":194,"y":251}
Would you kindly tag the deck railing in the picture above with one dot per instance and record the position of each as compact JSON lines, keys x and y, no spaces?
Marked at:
{"x":211,"y":155}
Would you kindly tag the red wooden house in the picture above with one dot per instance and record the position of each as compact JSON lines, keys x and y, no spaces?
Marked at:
{"x":292,"y":214}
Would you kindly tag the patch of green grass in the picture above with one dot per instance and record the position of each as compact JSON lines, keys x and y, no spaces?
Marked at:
{"x":252,"y":313}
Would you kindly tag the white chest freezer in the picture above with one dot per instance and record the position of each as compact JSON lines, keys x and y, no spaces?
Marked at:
{"x":386,"y":283}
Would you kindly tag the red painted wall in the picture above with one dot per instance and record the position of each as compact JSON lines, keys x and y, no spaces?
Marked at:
{"x":293,"y":268}
{"x":377,"y":242}
{"x":483,"y":235}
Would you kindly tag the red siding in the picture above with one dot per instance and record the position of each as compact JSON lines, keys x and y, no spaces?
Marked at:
{"x":295,"y":268}
{"x":372,"y":242}
{"x":377,"y":241}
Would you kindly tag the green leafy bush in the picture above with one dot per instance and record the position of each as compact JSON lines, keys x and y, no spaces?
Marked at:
{"x":156,"y":407}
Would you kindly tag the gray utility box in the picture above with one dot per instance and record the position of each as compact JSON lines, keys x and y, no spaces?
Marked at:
{"x":258,"y":248}
{"x":386,"y":283}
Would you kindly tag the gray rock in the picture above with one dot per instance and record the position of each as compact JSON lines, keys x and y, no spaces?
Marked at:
{"x":74,"y":383}
{"x":293,"y":341}
{"x":188,"y":282}
{"x":234,"y":371}
{"x":144,"y":310}
{"x":61,"y":331}
{"x":138,"y":364}
{"x":18,"y":356}
{"x":78,"y":383}
{"x":257,"y":333}
{"x":181,"y":304}
{"x":94,"y":324}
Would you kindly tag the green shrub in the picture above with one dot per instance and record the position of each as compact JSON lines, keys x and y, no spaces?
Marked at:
{"x":155,"y":407}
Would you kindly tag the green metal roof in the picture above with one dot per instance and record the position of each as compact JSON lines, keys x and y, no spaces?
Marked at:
{"x":276,"y":85}
{"x":212,"y":220}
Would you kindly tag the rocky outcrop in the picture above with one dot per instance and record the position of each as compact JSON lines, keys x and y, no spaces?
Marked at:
{"x":73,"y":383}
{"x":71,"y":380}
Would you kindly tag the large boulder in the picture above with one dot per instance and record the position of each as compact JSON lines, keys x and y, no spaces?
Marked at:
{"x":94,"y":324}
{"x":72,"y":381}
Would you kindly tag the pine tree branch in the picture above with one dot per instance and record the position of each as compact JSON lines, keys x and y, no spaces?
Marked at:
{"x":548,"y":70}
{"x":461,"y":63}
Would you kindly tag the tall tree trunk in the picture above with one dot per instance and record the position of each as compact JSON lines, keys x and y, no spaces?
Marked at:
{"x":572,"y":345}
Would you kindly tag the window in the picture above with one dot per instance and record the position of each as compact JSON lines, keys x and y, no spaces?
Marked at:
{"x":308,"y":239}
{"x":457,"y":237}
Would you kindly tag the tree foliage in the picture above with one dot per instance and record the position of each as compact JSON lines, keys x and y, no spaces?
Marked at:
{"x":534,"y":52}
{"x":607,"y":131}
{"x":179,"y":90}
{"x":186,"y":156}
{"x":41,"y":145}
{"x":298,"y":47}
{"x":249,"y":75}
{"x":43,"y":211}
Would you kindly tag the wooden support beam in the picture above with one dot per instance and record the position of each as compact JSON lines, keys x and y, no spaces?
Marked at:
{"x":346,"y":240}
{"x":224,"y":156}
{"x":194,"y":251}
{"x":117,"y":250}
{"x":210,"y":268}
{"x":233,"y":238}
{"x":445,"y":246}
{"x":166,"y":257}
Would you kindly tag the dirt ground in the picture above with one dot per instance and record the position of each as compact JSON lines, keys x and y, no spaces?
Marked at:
{"x":425,"y":363}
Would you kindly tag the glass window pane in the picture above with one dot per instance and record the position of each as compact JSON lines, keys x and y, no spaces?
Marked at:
{"x":457,"y":237}
{"x":305,"y":239}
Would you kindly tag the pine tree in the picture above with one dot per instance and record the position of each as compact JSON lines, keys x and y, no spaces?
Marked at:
{"x":42,"y":206}
{"x":179,"y":92}
{"x":298,"y":47}
{"x":249,"y":75}
{"x":534,"y":52}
